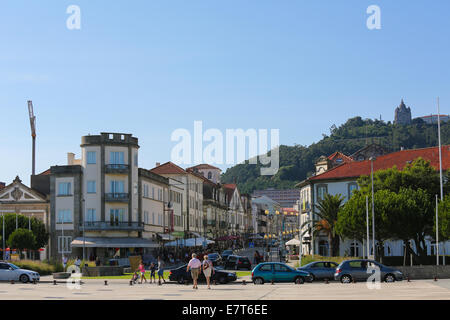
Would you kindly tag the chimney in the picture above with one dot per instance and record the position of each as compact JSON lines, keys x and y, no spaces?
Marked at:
{"x":157,"y":164}
{"x":70,"y":158}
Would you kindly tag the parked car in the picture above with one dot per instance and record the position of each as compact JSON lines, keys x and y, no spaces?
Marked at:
{"x":215,"y":258}
{"x":9,"y":271}
{"x":225,"y":254}
{"x":237,"y":263}
{"x":180,"y":275}
{"x":320,"y":269}
{"x":357,"y":270}
{"x":278,"y":272}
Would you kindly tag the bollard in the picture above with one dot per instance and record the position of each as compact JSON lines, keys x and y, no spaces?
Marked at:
{"x":131,"y":282}
{"x":353,"y":280}
{"x":106,"y":282}
{"x":272,"y":282}
{"x":54,"y":282}
{"x":326,"y":281}
{"x":407,"y":278}
{"x":435,"y":278}
{"x":12,"y":281}
{"x":34,"y":281}
{"x":243,"y":282}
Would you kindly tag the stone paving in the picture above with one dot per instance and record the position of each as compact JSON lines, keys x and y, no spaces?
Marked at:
{"x":120,"y":289}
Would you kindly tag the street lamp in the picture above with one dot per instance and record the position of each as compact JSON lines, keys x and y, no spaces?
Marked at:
{"x":372,"y":159}
{"x":3,"y":233}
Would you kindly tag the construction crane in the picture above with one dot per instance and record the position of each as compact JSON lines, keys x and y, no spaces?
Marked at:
{"x":33,"y":134}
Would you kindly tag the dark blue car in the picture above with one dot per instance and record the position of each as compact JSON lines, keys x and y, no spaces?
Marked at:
{"x":361,"y":269}
{"x":320,"y":269}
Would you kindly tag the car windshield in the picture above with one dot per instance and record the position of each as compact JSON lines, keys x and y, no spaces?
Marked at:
{"x":228,"y":251}
{"x":13,"y":266}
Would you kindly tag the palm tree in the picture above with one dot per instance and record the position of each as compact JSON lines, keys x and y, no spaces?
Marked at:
{"x":328,"y":209}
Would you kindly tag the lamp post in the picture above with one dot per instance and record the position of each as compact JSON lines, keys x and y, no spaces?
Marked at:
{"x":373,"y":209}
{"x":83,"y":210}
{"x":3,"y":234}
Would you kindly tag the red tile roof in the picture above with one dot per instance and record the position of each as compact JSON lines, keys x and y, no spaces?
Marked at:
{"x":231,"y":186}
{"x":204,"y":166}
{"x":45,"y":173}
{"x":168,"y":168}
{"x":398,"y":159}
{"x":338,"y":155}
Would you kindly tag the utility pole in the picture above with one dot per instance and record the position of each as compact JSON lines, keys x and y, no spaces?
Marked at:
{"x":440,"y":152}
{"x":437,"y":233}
{"x":373,"y":210}
{"x":367,"y":226}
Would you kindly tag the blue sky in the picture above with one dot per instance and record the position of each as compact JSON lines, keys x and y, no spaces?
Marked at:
{"x":150,"y":67}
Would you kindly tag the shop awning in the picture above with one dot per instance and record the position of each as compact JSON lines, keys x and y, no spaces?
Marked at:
{"x":114,"y":243}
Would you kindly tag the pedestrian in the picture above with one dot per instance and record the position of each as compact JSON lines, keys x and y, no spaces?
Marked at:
{"x":160,"y":270}
{"x":97,"y":262}
{"x":142,"y":271}
{"x":256,"y":257}
{"x":64,"y":263}
{"x":195,"y":265}
{"x":208,"y":270}
{"x":152,"y":272}
{"x":77,"y":264}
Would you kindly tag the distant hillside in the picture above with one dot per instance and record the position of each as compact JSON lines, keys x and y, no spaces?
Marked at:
{"x":297,"y":162}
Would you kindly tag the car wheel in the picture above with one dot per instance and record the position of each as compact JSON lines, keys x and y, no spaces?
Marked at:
{"x":24,"y":278}
{"x":258,"y":281}
{"x":181,"y":280}
{"x":346,"y":278}
{"x":299,"y":280}
{"x":313,"y":278}
{"x":222,"y":280}
{"x":389,"y":278}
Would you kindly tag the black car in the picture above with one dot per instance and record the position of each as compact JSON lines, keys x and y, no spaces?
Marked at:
{"x":226,"y":254}
{"x":237,"y":263}
{"x":215,"y":258}
{"x":180,"y":275}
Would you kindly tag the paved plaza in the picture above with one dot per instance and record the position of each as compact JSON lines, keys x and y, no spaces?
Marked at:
{"x":121,"y":290}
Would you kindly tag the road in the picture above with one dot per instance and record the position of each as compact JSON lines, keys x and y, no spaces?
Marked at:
{"x":120,"y":289}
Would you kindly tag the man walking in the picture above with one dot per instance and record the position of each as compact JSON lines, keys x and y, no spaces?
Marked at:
{"x":195,"y":265}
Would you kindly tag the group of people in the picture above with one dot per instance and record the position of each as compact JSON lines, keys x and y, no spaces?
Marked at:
{"x":196,"y":266}
{"x":154,"y":269}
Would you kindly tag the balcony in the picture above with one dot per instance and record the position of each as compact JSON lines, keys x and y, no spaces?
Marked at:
{"x":117,"y":197}
{"x":112,"y":226}
{"x":117,"y":168}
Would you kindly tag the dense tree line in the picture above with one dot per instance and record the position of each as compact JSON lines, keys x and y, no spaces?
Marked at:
{"x":297,"y":162}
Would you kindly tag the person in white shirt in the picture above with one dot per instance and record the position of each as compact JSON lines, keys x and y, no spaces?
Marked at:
{"x":195,"y":265}
{"x":208,"y":269}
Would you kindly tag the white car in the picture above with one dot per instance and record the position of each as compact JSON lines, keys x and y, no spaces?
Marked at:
{"x":9,"y":272}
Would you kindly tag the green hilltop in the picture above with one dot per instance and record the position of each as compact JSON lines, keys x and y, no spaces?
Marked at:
{"x":297,"y":162}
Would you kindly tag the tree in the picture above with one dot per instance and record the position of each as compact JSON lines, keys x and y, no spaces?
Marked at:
{"x":22,"y":239}
{"x":444,"y":219}
{"x":37,"y":227}
{"x":328,"y":209}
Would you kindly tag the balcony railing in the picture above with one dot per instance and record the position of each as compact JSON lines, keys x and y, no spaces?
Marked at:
{"x":112,"y":225}
{"x":117,"y":168}
{"x":117,"y":197}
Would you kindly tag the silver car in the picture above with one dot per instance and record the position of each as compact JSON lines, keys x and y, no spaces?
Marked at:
{"x":320,"y":269}
{"x":9,"y":271}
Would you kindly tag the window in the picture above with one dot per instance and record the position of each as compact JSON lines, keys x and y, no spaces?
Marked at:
{"x":209,"y":175}
{"x":117,"y":186}
{"x":64,"y":244}
{"x":153,"y":218}
{"x":136,"y":159}
{"x":145,"y":190}
{"x":116,"y":158}
{"x":116,"y":216}
{"x":91,"y":187}
{"x":64,"y":216}
{"x":64,"y":189}
{"x":321,"y":191}
{"x":146,"y":218}
{"x":351,"y":188}
{"x":266,"y":267}
{"x":90,"y":216}
{"x":318,"y":265}
{"x":91,"y":157}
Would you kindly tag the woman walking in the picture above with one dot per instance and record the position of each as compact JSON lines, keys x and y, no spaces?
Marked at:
{"x":208,"y":269}
{"x":160,"y":270}
{"x":195,"y":265}
{"x":142,"y":271}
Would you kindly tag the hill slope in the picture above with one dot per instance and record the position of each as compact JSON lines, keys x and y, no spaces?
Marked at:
{"x":297,"y":162}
